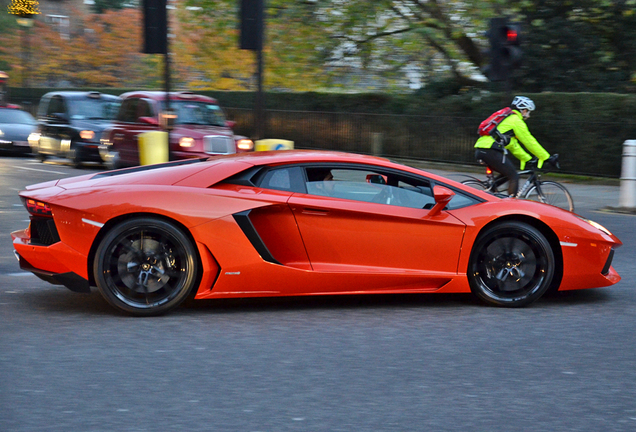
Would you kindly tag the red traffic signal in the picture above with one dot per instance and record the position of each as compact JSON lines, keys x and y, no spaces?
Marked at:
{"x":505,"y":49}
{"x":511,"y":35}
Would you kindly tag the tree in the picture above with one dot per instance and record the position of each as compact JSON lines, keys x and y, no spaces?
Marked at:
{"x":101,"y":6}
{"x":579,"y":45}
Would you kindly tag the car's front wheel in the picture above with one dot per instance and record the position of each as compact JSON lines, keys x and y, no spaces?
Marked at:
{"x":74,"y":156}
{"x":145,"y":266}
{"x":511,"y":264}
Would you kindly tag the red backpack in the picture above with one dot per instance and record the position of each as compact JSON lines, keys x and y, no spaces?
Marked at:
{"x":489,"y":126}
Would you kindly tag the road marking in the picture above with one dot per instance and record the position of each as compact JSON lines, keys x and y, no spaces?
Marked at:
{"x":41,"y":170}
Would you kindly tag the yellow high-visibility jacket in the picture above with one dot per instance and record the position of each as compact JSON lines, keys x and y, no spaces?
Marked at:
{"x":518,"y":125}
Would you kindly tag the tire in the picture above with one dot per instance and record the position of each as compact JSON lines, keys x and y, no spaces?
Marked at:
{"x":40,"y":156}
{"x":145,"y":266}
{"x":553,"y":193}
{"x":113,"y":162}
{"x":511,"y":264}
{"x":74,"y":156}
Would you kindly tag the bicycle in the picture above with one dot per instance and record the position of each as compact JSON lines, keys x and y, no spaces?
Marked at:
{"x":534,"y":189}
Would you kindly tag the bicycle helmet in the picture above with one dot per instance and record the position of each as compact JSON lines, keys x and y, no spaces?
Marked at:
{"x":522,"y":102}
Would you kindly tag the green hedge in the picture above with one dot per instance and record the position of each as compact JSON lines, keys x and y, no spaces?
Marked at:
{"x":587,"y":129}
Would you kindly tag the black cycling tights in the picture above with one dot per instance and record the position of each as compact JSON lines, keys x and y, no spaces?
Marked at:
{"x":495,"y":160}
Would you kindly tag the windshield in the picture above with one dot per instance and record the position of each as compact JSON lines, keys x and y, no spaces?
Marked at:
{"x":93,"y":109}
{"x":197,"y":113}
{"x":14,"y":116}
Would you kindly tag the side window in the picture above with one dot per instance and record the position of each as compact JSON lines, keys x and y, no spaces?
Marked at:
{"x":460,"y":200}
{"x":43,"y":107}
{"x":144,"y":109}
{"x":128,"y":111}
{"x":370,"y":186}
{"x":285,"y":179}
{"x":56,"y":105}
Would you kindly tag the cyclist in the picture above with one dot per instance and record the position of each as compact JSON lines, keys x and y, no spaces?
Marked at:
{"x":512,"y":130}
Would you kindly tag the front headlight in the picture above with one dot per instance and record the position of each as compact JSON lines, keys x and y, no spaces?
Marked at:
{"x":245,"y":144}
{"x":186,"y":142}
{"x":596,"y":225}
{"x":34,"y":139}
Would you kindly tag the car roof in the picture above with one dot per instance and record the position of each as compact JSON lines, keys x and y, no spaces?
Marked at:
{"x":69,"y":94}
{"x":284,"y":157}
{"x":309,"y":156}
{"x":159,"y":96}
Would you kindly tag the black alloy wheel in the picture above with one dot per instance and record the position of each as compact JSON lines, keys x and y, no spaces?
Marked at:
{"x":511,"y":264}
{"x":145,"y":266}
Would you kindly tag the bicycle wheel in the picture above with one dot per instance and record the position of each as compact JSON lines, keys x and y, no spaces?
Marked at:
{"x":480,"y":185}
{"x":552,"y":193}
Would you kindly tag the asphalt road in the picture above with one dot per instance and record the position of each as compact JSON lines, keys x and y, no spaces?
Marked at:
{"x":69,"y":362}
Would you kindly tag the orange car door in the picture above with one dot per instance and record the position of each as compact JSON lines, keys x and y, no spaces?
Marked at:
{"x":352,"y":233}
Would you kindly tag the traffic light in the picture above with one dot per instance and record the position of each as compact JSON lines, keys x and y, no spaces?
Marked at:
{"x":155,"y":27}
{"x":251,"y":25}
{"x":512,"y":48}
{"x":505,"y":49}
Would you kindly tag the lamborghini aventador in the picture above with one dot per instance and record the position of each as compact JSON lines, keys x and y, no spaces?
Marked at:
{"x":294,"y":223}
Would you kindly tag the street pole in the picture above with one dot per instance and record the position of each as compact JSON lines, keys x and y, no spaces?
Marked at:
{"x":167,"y":78}
{"x":260,"y":103}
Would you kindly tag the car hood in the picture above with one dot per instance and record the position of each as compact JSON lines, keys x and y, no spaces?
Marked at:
{"x":15,"y":131}
{"x":199,"y":131}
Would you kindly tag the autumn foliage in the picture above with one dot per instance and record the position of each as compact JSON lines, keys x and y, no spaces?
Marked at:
{"x":99,"y":50}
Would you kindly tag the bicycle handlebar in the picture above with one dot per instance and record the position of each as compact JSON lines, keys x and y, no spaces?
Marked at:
{"x":553,"y":160}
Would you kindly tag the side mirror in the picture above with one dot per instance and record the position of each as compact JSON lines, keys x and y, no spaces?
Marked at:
{"x":230,"y":124}
{"x":149,"y":121}
{"x":376,"y":178}
{"x":442,"y":198}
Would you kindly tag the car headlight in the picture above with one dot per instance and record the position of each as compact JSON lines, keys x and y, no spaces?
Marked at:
{"x":245,"y":144}
{"x":34,"y":139}
{"x":87,"y":135}
{"x":596,"y":225}
{"x":186,"y":142}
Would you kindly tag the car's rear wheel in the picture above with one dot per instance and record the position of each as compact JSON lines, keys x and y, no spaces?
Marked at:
{"x":511,"y":264}
{"x":145,"y":266}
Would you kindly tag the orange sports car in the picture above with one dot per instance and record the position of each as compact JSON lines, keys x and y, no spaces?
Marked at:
{"x":296,"y":223}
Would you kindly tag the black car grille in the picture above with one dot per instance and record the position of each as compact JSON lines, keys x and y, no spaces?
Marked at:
{"x":43,"y":231}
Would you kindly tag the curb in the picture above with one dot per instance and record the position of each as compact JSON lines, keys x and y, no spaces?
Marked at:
{"x":621,"y":210}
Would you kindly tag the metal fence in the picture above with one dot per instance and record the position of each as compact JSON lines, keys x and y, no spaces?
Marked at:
{"x":586,"y":148}
{"x":406,"y":136}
